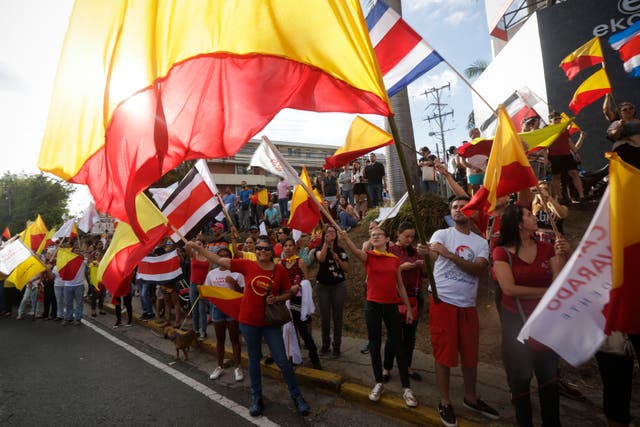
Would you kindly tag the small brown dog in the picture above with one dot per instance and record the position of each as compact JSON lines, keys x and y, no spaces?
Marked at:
{"x":181,"y":339}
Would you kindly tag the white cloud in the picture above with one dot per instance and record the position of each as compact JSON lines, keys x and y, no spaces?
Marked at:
{"x":456,"y":18}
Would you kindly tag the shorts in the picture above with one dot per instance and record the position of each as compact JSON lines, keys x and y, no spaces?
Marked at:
{"x":560,"y":163}
{"x":218,"y":316}
{"x":454,"y":330}
{"x":475,"y":179}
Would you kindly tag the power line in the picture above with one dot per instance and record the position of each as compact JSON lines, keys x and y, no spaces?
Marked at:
{"x":439,"y":114}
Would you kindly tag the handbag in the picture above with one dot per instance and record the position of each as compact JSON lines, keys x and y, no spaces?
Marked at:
{"x":533,"y":344}
{"x":413,"y":302}
{"x":276,"y":314}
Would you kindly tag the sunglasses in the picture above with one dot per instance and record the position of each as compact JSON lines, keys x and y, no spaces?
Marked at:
{"x":263,"y":248}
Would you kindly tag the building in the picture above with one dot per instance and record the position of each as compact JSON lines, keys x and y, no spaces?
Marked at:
{"x":531,"y":37}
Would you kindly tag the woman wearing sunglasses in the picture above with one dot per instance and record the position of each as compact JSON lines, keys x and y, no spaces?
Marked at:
{"x":265,"y":283}
{"x":626,"y":134}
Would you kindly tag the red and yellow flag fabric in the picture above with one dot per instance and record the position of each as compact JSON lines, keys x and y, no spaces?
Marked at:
{"x":305,"y":213}
{"x":544,"y":137}
{"x":508,"y":170}
{"x":261,"y":197}
{"x":26,"y":271}
{"x":585,"y":56}
{"x":6,"y":234}
{"x":225,"y":299}
{"x":621,"y":312}
{"x":127,"y":250}
{"x":142,"y":86}
{"x":34,"y":234}
{"x":68,"y":263}
{"x":592,"y":89}
{"x":47,"y":241}
{"x":573,"y":127}
{"x":363,"y":137}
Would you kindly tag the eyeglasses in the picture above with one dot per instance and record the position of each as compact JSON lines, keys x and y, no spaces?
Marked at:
{"x":263,"y":248}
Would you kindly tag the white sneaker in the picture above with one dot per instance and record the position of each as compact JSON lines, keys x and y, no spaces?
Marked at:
{"x":409,"y":398}
{"x":238,"y":374}
{"x":217,"y":373}
{"x":376,"y":392}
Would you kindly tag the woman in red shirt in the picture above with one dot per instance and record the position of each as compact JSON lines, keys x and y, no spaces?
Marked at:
{"x":385,"y":290}
{"x":265,"y":283}
{"x":524,"y":269}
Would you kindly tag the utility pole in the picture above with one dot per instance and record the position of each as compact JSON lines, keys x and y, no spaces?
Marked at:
{"x":437,"y":113}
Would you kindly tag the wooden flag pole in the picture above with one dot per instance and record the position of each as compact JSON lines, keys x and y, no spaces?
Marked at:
{"x":414,"y":206}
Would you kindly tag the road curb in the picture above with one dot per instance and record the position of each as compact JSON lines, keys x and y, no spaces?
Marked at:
{"x":390,"y":405}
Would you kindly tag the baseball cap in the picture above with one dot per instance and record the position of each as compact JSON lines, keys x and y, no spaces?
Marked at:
{"x":219,"y":225}
{"x":254,"y":227}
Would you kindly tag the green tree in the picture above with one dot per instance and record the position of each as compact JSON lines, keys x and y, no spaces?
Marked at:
{"x":24,"y":197}
{"x":472,"y":71}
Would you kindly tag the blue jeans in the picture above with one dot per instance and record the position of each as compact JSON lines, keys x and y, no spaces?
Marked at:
{"x":374,"y":191}
{"x":199,"y":314}
{"x":347,"y":221}
{"x":429,"y":186}
{"x":348,"y":194}
{"x":29,"y":294}
{"x":145,"y":297}
{"x":59,"y":291}
{"x":71,"y":294}
{"x":253,"y":336}
{"x":283,"y":204}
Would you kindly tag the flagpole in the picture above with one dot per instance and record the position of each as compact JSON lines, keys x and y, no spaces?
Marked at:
{"x":414,"y":205}
{"x":293,"y":173}
{"x":175,"y":230}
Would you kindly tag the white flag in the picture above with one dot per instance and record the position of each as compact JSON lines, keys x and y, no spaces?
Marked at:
{"x":270,"y":159}
{"x":569,"y":317}
{"x":89,"y":218}
{"x":64,"y":231}
{"x":386,"y":213}
{"x":12,"y":255}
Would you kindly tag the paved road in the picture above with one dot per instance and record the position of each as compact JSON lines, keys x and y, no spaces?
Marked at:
{"x":93,"y":375}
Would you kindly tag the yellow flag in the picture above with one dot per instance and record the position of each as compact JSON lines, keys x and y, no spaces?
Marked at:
{"x":25,"y":272}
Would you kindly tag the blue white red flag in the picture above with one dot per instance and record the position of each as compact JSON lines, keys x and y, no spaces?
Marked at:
{"x":402,"y":54}
{"x":627,"y":43}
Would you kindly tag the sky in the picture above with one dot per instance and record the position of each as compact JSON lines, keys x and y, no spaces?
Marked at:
{"x":32,"y":32}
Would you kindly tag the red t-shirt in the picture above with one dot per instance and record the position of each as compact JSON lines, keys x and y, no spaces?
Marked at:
{"x":257,"y":281}
{"x":537,"y":274}
{"x":381,"y":268}
{"x":199,"y":270}
{"x":412,"y":277}
{"x":560,"y":146}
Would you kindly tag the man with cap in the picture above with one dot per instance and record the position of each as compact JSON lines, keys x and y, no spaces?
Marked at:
{"x":218,"y":238}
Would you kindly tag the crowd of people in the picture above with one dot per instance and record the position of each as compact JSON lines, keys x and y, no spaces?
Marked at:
{"x":522,"y":251}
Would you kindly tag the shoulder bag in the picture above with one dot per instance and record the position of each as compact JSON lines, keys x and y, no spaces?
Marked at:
{"x":276,"y":314}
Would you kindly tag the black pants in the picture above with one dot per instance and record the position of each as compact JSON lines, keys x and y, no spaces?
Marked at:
{"x":126,"y":300}
{"x":374,"y":314}
{"x":303,"y":330}
{"x":50,"y":303}
{"x":616,"y":371}
{"x":97,"y":296}
{"x":520,"y":361}
{"x":408,"y":337}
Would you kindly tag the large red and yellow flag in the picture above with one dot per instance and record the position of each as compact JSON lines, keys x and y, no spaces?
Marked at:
{"x":68,"y":263}
{"x":225,"y":299}
{"x":621,"y":312}
{"x":363,"y":137}
{"x":305,"y":213}
{"x":34,"y":234}
{"x":585,"y":56}
{"x":508,"y":170}
{"x":127,"y":250}
{"x":143,"y":85}
{"x":592,"y":89}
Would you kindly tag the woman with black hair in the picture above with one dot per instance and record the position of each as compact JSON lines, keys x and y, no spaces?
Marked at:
{"x":524,"y":269}
{"x":333,"y":263}
{"x":412,"y":268}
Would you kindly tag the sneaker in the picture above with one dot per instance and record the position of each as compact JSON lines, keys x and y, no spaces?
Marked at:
{"x":409,"y":398}
{"x":202,"y":335}
{"x":77,"y":322}
{"x":128,"y":324}
{"x":93,"y":314}
{"x":217,"y":373}
{"x":447,"y":416}
{"x":238,"y":374}
{"x":376,"y":392}
{"x":482,"y":408}
{"x":117,"y":325}
{"x":567,"y":390}
{"x":19,"y":317}
{"x":365,"y":349}
{"x":66,"y":322}
{"x":302,"y":406}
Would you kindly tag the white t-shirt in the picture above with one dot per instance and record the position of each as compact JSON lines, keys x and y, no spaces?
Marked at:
{"x":217,"y":277}
{"x":456,"y":287}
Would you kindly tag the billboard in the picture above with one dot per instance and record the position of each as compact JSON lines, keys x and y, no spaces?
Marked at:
{"x":562,"y":29}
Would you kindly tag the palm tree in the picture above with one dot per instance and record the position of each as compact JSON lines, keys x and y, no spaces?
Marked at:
{"x":474,"y":70}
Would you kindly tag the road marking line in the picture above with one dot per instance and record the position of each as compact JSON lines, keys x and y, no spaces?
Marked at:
{"x":197,"y":386}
